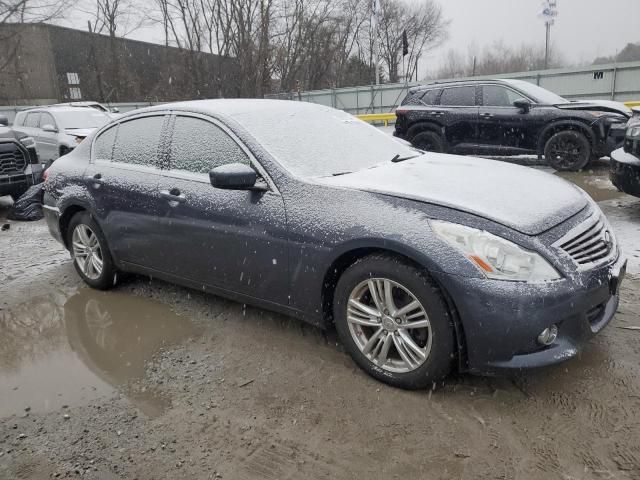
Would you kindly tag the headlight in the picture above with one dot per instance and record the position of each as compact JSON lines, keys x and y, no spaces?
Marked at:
{"x":633,"y":132}
{"x":28,"y":142}
{"x":495,"y":257}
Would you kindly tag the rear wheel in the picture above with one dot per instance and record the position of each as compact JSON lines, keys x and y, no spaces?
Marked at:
{"x":394,"y":323}
{"x":568,"y":151}
{"x":428,"y":141}
{"x":90,"y":253}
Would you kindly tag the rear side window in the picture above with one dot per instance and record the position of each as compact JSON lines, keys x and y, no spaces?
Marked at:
{"x":198,"y":146}
{"x":459,"y":96}
{"x":33,"y":120}
{"x":138,"y":141}
{"x":103,"y":144}
{"x":430,"y":96}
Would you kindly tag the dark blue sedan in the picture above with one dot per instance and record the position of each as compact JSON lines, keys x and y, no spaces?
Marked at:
{"x":423,"y":262}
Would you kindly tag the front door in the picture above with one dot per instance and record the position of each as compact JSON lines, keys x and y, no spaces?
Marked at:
{"x":123,"y":179}
{"x":47,"y":142}
{"x":235,"y":240}
{"x":502,"y":127}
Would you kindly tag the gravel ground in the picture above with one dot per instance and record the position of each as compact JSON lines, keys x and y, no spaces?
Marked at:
{"x":153,"y":381}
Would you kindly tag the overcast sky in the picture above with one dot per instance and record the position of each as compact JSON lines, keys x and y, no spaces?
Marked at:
{"x":584,"y":29}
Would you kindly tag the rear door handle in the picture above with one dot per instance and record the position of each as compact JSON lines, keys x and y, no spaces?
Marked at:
{"x":486,"y":115}
{"x":173,"y":195}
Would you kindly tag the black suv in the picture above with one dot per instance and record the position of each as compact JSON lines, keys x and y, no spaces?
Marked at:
{"x":625,"y":162}
{"x":509,"y":117}
{"x":19,"y":166}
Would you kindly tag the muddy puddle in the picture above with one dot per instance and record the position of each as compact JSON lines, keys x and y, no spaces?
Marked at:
{"x":57,"y":351}
{"x":595,"y":182}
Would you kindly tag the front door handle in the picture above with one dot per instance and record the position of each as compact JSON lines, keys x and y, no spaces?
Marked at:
{"x":173,"y":195}
{"x":486,"y":115}
{"x":96,"y":180}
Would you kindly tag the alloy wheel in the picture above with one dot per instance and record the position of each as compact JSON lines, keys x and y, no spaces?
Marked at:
{"x":87,"y":251}
{"x":389,"y":325}
{"x":567,"y":153}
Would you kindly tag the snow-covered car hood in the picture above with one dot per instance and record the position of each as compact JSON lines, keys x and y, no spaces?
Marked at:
{"x":527,"y":200}
{"x":598,"y":105}
{"x":79,"y":132}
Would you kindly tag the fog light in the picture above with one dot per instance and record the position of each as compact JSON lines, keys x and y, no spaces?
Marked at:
{"x":548,"y":335}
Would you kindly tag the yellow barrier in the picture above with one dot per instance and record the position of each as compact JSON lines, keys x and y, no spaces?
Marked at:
{"x":378,"y":117}
{"x":391,"y":117}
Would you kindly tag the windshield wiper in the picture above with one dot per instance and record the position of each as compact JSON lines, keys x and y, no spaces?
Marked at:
{"x":340,"y":173}
{"x":398,"y":158}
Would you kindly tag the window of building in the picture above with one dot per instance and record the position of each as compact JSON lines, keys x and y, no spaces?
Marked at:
{"x":73,"y":79}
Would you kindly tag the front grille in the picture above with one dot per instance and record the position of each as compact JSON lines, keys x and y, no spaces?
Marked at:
{"x":588,"y":243}
{"x":12,"y":161}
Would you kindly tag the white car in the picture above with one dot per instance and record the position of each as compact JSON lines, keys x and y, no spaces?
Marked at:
{"x":114,"y":112}
{"x":58,"y":129}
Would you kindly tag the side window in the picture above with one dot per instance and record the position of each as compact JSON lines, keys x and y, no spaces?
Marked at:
{"x":46,"y":119}
{"x":103,"y":144}
{"x":32,"y":120}
{"x":497,"y":96}
{"x":198,"y":146}
{"x":430,"y":96}
{"x":138,"y":141}
{"x":459,"y":96}
{"x":19,"y":120}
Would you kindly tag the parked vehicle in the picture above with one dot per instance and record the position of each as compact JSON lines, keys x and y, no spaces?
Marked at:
{"x":509,"y":117}
{"x":421,"y":261}
{"x":113,"y":112}
{"x":19,"y":165}
{"x":625,"y":162}
{"x":57,"y":130}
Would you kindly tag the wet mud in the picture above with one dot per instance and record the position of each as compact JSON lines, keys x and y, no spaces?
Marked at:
{"x":154,"y":381}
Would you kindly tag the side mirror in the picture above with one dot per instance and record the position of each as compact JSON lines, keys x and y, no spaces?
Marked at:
{"x":4,"y":121}
{"x":115,"y":110}
{"x":524,"y":105}
{"x":49,"y":128}
{"x":235,"y":176}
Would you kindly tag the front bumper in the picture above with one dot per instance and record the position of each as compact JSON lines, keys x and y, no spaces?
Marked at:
{"x":624,"y":172}
{"x":501,"y":320}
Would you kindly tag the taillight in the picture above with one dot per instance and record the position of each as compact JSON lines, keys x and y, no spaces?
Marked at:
{"x":45,"y":175}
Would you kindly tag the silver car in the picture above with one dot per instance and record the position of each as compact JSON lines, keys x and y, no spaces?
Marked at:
{"x":58,"y":129}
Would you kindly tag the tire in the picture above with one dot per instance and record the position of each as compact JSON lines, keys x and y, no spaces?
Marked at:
{"x":568,"y":151}
{"x":428,"y":141}
{"x":408,"y":285}
{"x":102,"y":278}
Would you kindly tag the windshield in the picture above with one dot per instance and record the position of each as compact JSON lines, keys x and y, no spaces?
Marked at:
{"x":81,"y":118}
{"x":312,"y":141}
{"x":539,"y":94}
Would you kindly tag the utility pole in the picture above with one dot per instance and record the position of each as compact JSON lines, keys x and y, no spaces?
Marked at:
{"x":376,"y":50}
{"x":548,"y":13}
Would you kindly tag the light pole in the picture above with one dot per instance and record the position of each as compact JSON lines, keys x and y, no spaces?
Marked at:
{"x":376,"y":52}
{"x":548,"y":13}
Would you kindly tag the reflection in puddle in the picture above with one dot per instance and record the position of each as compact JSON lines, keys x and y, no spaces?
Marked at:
{"x":595,"y":182}
{"x":55,"y":353}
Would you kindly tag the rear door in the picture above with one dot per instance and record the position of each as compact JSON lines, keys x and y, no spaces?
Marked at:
{"x":458,"y":112}
{"x":502,"y":127}
{"x":123,"y":179}
{"x":231,"y":239}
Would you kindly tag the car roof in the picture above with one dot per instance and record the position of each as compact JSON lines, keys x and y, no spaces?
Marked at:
{"x":459,"y":83}
{"x":57,"y":108}
{"x":236,"y":107}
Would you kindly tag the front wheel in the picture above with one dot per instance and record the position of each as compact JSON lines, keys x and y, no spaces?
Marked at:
{"x":90,"y":253}
{"x":428,"y":141}
{"x":568,"y":151}
{"x":394,"y":323}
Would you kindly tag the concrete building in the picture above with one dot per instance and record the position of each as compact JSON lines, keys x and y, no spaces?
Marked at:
{"x":42,"y":64}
